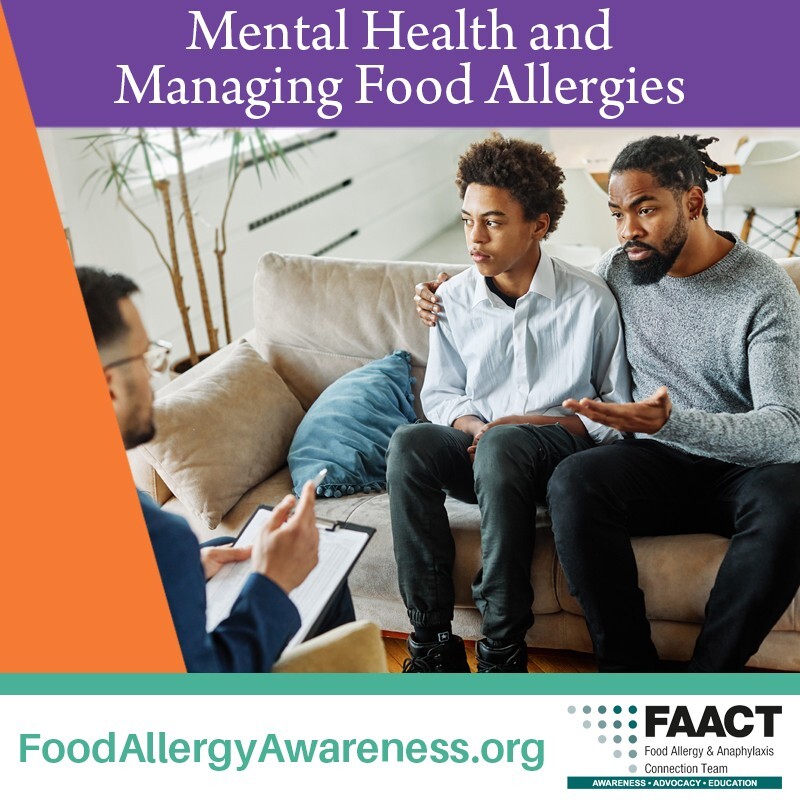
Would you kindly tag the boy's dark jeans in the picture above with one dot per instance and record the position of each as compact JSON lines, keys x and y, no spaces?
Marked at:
{"x":513,"y":464}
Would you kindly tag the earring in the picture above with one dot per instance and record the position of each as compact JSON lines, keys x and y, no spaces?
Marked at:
{"x":694,"y":218}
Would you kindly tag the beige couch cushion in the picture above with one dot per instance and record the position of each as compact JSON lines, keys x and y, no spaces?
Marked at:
{"x":792,"y":266}
{"x":223,"y":434}
{"x":676,"y":574}
{"x":336,"y":315}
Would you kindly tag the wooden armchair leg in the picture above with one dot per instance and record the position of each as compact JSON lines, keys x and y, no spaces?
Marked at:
{"x":796,"y":242}
{"x":748,"y":223}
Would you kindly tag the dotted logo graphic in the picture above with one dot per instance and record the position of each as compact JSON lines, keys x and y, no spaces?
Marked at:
{"x":616,"y":729}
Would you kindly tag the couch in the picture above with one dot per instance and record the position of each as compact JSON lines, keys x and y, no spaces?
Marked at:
{"x":318,"y":318}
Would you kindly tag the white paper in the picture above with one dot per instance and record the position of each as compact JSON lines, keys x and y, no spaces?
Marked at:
{"x":338,"y":551}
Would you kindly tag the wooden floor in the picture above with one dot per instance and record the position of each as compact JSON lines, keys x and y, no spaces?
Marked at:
{"x":538,"y":660}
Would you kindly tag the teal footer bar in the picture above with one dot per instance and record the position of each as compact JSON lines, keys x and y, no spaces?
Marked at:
{"x":620,"y":684}
{"x":675,"y":782}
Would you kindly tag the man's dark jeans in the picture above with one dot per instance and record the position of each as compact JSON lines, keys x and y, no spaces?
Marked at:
{"x":513,"y":464}
{"x":599,"y":499}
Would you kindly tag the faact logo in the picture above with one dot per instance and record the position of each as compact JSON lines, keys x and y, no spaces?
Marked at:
{"x":737,"y":721}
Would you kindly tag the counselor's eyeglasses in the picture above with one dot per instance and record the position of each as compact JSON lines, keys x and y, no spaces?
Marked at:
{"x":155,"y":357}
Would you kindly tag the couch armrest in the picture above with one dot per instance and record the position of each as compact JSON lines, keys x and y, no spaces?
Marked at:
{"x":355,"y":647}
{"x":146,"y":478}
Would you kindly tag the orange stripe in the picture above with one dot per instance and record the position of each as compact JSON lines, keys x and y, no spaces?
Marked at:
{"x":79,"y":589}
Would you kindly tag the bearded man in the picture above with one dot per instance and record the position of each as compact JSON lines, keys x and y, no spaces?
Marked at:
{"x":712,"y":329}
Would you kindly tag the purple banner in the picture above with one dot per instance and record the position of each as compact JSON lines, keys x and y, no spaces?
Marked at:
{"x":312,"y":63}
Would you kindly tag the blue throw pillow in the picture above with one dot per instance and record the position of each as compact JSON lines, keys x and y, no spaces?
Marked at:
{"x":349,"y":426}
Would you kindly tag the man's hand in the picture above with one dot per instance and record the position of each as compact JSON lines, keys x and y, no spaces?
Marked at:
{"x":646,"y":416}
{"x":288,"y":547}
{"x":214,"y":558}
{"x":428,"y":304}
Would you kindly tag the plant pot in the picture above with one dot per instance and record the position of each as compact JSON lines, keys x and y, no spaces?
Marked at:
{"x":184,"y":364}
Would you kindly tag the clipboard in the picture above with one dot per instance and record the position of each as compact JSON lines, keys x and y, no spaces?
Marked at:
{"x":340,"y":547}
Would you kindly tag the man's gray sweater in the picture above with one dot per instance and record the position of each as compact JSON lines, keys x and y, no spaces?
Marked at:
{"x":726,"y":344}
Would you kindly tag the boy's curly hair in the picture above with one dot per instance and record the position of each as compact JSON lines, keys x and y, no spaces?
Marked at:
{"x":525,"y":169}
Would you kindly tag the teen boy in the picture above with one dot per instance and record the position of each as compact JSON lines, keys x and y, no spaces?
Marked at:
{"x":522,"y":333}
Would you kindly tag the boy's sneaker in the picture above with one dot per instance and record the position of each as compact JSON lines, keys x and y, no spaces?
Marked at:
{"x":511,"y":658}
{"x":447,"y":656}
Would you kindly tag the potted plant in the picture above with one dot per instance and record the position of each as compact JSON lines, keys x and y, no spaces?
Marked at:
{"x":132,"y":153}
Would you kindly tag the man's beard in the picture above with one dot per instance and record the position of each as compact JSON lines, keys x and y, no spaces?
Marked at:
{"x":139,"y":426}
{"x":659,"y":263}
{"x":133,"y":439}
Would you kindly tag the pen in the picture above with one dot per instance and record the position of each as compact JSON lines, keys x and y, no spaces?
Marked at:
{"x":319,"y":477}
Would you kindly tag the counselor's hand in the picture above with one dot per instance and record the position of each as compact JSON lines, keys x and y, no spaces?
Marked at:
{"x":288,"y":547}
{"x":214,"y":558}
